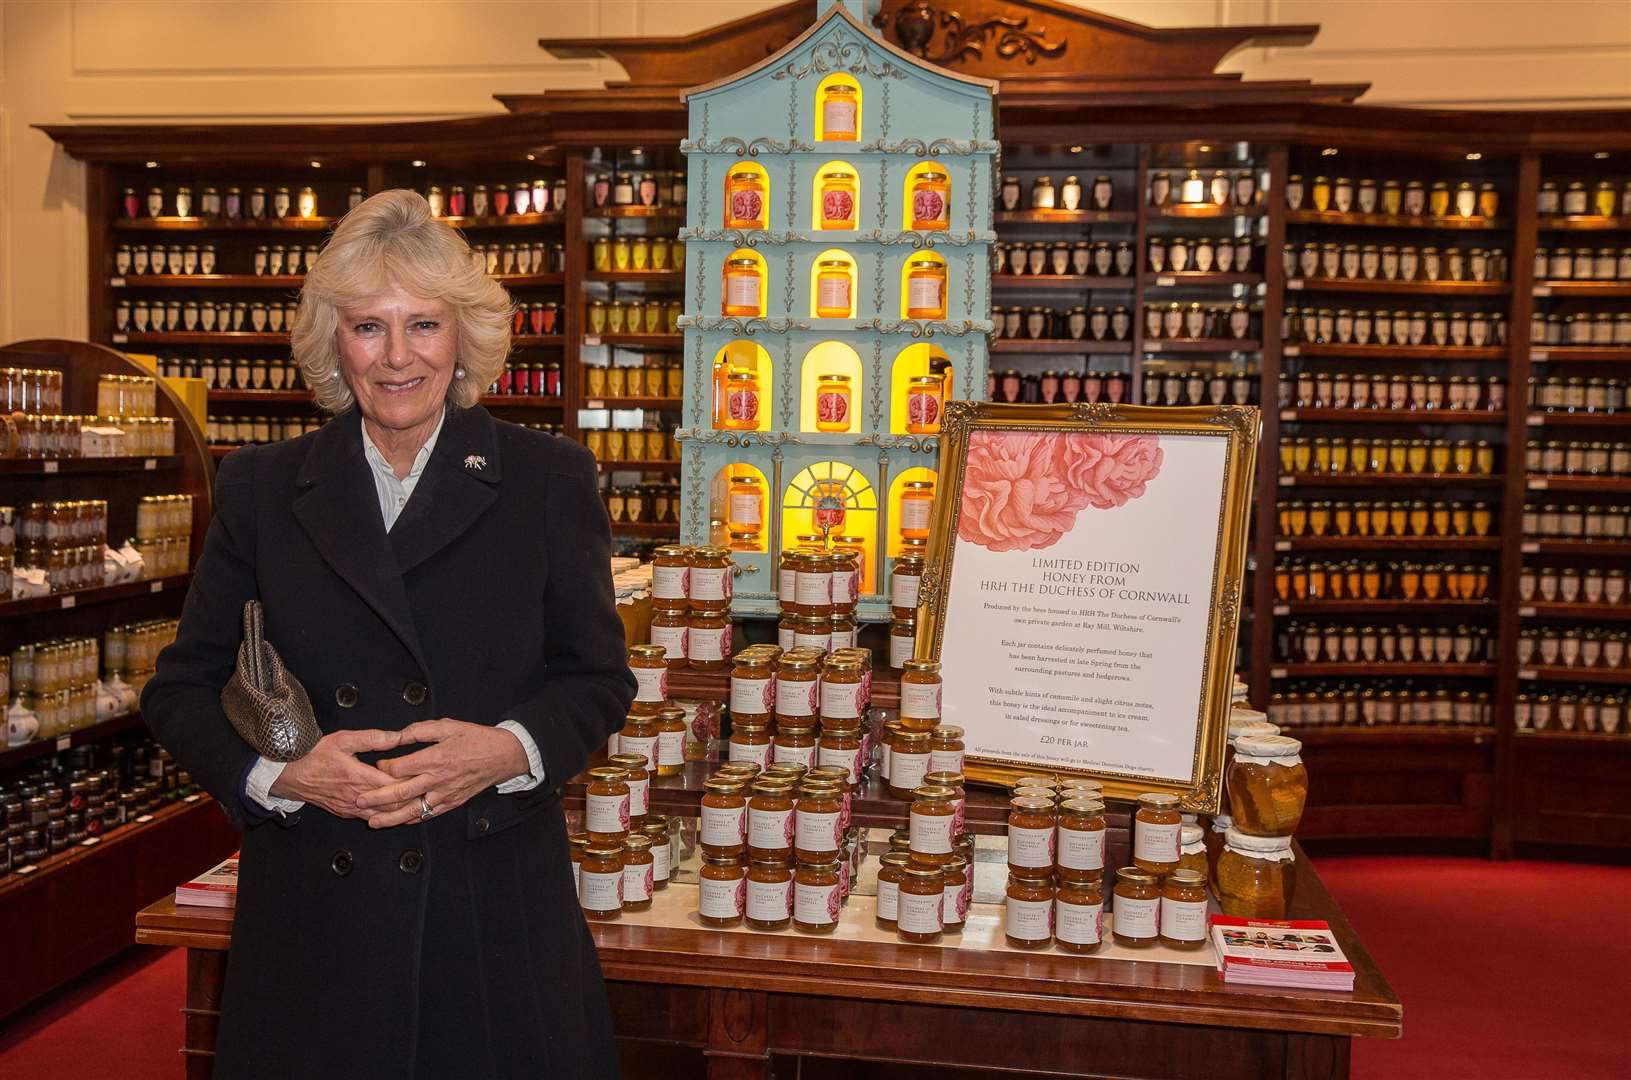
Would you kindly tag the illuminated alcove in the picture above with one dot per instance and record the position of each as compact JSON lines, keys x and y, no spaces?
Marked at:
{"x":830,"y":358}
{"x":753,"y":405}
{"x":828,"y":296}
{"x":832,"y":200}
{"x":837,"y":496}
{"x":829,"y":110}
{"x":911,"y":362}
{"x":733,"y":294}
{"x":744,"y":207}
{"x":908,"y":195}
{"x":925,"y":288}
{"x":897,"y":517}
{"x":736,"y":508}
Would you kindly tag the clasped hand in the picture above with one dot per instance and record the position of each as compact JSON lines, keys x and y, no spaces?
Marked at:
{"x":459,"y":759}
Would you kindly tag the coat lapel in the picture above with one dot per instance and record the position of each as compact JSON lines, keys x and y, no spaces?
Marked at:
{"x":339,"y":509}
{"x":459,"y":483}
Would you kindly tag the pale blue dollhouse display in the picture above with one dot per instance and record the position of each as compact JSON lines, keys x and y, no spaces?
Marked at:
{"x":838,"y":248}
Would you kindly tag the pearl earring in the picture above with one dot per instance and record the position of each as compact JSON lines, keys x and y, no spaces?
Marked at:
{"x":458,"y":372}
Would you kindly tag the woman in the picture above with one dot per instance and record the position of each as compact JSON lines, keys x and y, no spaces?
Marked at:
{"x":439,"y":582}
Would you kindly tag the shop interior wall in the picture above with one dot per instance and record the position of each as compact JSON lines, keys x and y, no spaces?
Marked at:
{"x":172,"y":61}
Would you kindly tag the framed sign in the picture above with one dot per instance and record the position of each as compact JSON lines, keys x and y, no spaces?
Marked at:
{"x":1083,"y":590}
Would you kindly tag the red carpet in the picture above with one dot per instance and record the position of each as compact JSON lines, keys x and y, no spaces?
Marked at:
{"x":1507,"y":971}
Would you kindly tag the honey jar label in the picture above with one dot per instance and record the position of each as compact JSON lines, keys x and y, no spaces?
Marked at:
{"x":1030,"y":847}
{"x":786,"y":586}
{"x":601,"y":892}
{"x":638,"y":882}
{"x":946,"y":761}
{"x":1136,"y":918}
{"x":770,"y":830}
{"x":928,"y":205}
{"x":710,"y":583}
{"x":769,"y":901}
{"x":708,"y":644}
{"x":903,"y":589}
{"x":846,"y":586}
{"x":672,"y":639}
{"x":645,"y":746}
{"x":670,"y":582}
{"x":670,"y":748}
{"x":1079,"y":924}
{"x":793,"y":755}
{"x":651,"y":684}
{"x":1081,"y":849}
{"x":931,"y":834}
{"x":832,"y":408}
{"x":812,"y":590}
{"x":920,"y":701}
{"x":1029,"y":920}
{"x":922,"y":408}
{"x":906,"y":771}
{"x":842,"y":701}
{"x":639,"y":792}
{"x":753,"y":697}
{"x":721,"y":899}
{"x":722,"y":827}
{"x":849,"y":760}
{"x":756,"y":754}
{"x":818,"y":831}
{"x":795,"y":698}
{"x":918,"y":914}
{"x":888,"y":900}
{"x":747,"y":206}
{"x":837,"y":206}
{"x":661,"y":858}
{"x":1182,"y":920}
{"x":606,"y":813}
{"x":816,"y":905}
{"x":1156,"y":843}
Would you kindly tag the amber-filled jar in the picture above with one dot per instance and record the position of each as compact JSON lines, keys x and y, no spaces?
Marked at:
{"x":817,"y":896}
{"x":743,"y":280}
{"x":753,"y":687}
{"x":1028,"y":915}
{"x":932,"y":825}
{"x":724,"y":825}
{"x":812,"y":585}
{"x":1254,"y":875}
{"x":908,"y":762}
{"x":639,"y":875}
{"x":1031,"y":824}
{"x":916,"y":509}
{"x":902,"y":641}
{"x":638,"y":737}
{"x":1080,"y":855}
{"x":710,"y":579}
{"x":576,"y":844}
{"x":959,"y":797}
{"x":904,"y":581}
{"x":818,"y":835}
{"x":750,"y":743}
{"x":890,"y":865}
{"x":787,"y":579}
{"x":840,"y":747}
{"x":668,"y":633}
{"x":833,"y":403}
{"x":606,"y":805}
{"x":649,"y":664}
{"x":708,"y":640}
{"x":838,"y":207}
{"x":770,"y":819}
{"x":919,"y":911}
{"x":746,"y":200}
{"x":670,"y":740}
{"x":1192,"y":850}
{"x":769,"y":902}
{"x":722,"y":888}
{"x":655,"y":829}
{"x":959,"y":882}
{"x":794,"y":745}
{"x":841,"y":687}
{"x":1157,"y":832}
{"x":834,"y":292}
{"x":846,"y":581}
{"x":931,"y":200}
{"x":600,"y":884}
{"x":926,"y":289}
{"x":924,"y":402}
{"x":1137,"y":922}
{"x":920,"y":695}
{"x":1078,"y":909}
{"x":1267,"y":785}
{"x":638,"y":778}
{"x":946,"y":749}
{"x":670,"y":576}
{"x":840,"y":112}
{"x":797,"y":690}
{"x":1183,"y":910}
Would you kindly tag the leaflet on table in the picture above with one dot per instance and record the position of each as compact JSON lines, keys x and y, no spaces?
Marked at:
{"x":1274,"y":953}
{"x":215,"y":887}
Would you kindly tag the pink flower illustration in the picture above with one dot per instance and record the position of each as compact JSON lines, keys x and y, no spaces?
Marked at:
{"x":833,"y":900}
{"x":623,"y":813}
{"x":651,"y":880}
{"x":1022,"y":490}
{"x":770,"y":695}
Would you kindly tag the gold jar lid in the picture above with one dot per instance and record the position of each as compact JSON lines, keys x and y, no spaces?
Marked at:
{"x":609,"y":773}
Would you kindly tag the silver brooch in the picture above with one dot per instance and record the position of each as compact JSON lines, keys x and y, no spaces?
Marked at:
{"x":475,"y":461}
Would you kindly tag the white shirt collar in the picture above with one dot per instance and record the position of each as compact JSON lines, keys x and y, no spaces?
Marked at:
{"x":378,"y":461}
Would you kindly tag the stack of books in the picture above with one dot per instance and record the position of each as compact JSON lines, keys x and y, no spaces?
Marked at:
{"x":216,"y":887}
{"x":1259,"y":952}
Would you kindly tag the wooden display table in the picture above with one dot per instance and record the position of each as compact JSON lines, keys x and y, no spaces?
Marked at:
{"x":742,"y":997}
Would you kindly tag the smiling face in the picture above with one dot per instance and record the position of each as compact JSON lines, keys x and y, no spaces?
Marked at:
{"x":397,"y":353}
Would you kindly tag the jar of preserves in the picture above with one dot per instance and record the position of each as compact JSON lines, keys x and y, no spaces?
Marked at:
{"x":740,"y":405}
{"x":1157,"y":828}
{"x":1028,"y":910}
{"x":833,"y":395}
{"x":840,"y":199}
{"x":920,"y":904}
{"x":1078,"y":925}
{"x":908,"y":762}
{"x":835,"y":299}
{"x":1254,"y":875}
{"x":746,"y":204}
{"x":649,"y":664}
{"x":724,"y":826}
{"x":920,"y":689}
{"x":817,"y":896}
{"x":946,"y":749}
{"x":925,"y":399}
{"x":639,"y":876}
{"x":668,"y":633}
{"x":904,"y":582}
{"x":1080,"y":854}
{"x":710,"y":579}
{"x":794,"y":745}
{"x":813,"y":585}
{"x":769,"y":900}
{"x":1183,"y":910}
{"x":637,"y":775}
{"x":747,"y":506}
{"x":753,"y":687}
{"x":1192,"y":850}
{"x":932,"y":825}
{"x":902,"y":641}
{"x":655,"y":829}
{"x":600,"y":882}
{"x":1137,"y":908}
{"x":958,"y":877}
{"x":818,"y":833}
{"x":926,"y":289}
{"x":770,"y":819}
{"x":840,"y":112}
{"x":670,"y":740}
{"x":606,"y":805}
{"x":840,"y":747}
{"x":576,"y":844}
{"x":707,"y":640}
{"x":797,"y":690}
{"x":1267,"y":785}
{"x":890,"y":867}
{"x":842,"y":683}
{"x":750,"y":744}
{"x":743,"y":284}
{"x":1031,"y":827}
{"x":916,"y":509}
{"x":931,"y":200}
{"x":722,"y":888}
{"x":846,"y":581}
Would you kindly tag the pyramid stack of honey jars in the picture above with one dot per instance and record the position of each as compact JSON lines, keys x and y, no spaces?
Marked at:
{"x":1060,"y":885}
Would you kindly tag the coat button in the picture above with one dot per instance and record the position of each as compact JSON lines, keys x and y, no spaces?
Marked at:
{"x":410,"y":862}
{"x":341,"y":863}
{"x":482,"y":824}
{"x":414,"y":693}
{"x":345,"y":695}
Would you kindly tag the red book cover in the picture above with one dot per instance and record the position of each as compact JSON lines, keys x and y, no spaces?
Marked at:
{"x":215,"y":887}
{"x":1267,"y":949}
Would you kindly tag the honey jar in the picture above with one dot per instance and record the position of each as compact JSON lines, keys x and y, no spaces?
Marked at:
{"x":739,"y":401}
{"x":753,"y":687}
{"x":1157,"y":829}
{"x":833,"y":395}
{"x":1031,"y":833}
{"x":916,"y":509}
{"x":920,"y":690}
{"x":1254,"y":875}
{"x":846,"y":580}
{"x":670,"y":740}
{"x":840,"y":747}
{"x":600,"y":882}
{"x":793,"y":744}
{"x":721,"y":890}
{"x":931,"y":200}
{"x":908,"y":762}
{"x":890,"y":867}
{"x":1028,"y":910}
{"x":1080,"y":849}
{"x":750,"y":743}
{"x":606,"y":805}
{"x":797,"y":691}
{"x":745,"y":201}
{"x":958,"y":882}
{"x":1137,"y":908}
{"x":649,"y":663}
{"x":812,"y":585}
{"x":1267,"y":785}
{"x":768,"y":903}
{"x":946,"y":749}
{"x":655,"y":829}
{"x":933,"y":825}
{"x":723,"y":828}
{"x":924,"y":402}
{"x":839,"y":202}
{"x":834,"y":297}
{"x":639,"y":878}
{"x":742,"y":286}
{"x":902,"y":641}
{"x":926,"y":289}
{"x":710,"y":580}
{"x":920,"y":904}
{"x":840,"y":113}
{"x":817,"y":897}
{"x":842,"y":684}
{"x":1183,"y":922}
{"x":904,"y":582}
{"x":707,"y":639}
{"x":770,"y":819}
{"x":635,"y":762}
{"x":1078,"y":925}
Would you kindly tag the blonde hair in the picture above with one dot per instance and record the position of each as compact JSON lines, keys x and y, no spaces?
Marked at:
{"x":392,"y":240}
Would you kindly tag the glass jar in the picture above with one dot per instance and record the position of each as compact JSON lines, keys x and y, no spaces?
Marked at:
{"x":1183,"y":922}
{"x":770,"y":819}
{"x":742,"y":288}
{"x":833,"y":396}
{"x":908,"y":762}
{"x":904,"y":582}
{"x":740,"y":408}
{"x":1028,"y":910}
{"x":834,"y":297}
{"x":902,"y":641}
{"x":1267,"y":785}
{"x":812,"y":585}
{"x":649,"y":664}
{"x":840,"y":199}
{"x":1254,"y":875}
{"x":769,"y":900}
{"x":670,"y":740}
{"x":707,"y":640}
{"x":655,"y":829}
{"x":840,"y":113}
{"x":817,"y":897}
{"x":635,"y":764}
{"x":600,"y":882}
{"x":920,"y":904}
{"x":924,"y":403}
{"x":750,"y":743}
{"x":746,"y":204}
{"x":746,"y":506}
{"x":932,"y":825}
{"x":1137,"y":908}
{"x":931,"y":200}
{"x":753,"y":687}
{"x":946,"y":749}
{"x":840,"y":747}
{"x":818,"y":831}
{"x":793,"y":745}
{"x":1157,"y":829}
{"x":890,"y":871}
{"x":916,"y":509}
{"x":846,"y":580}
{"x":1079,"y":915}
{"x":920,"y":690}
{"x":606,"y":805}
{"x":1032,"y":822}
{"x":842,"y":686}
{"x":1080,"y":848}
{"x":724,"y":825}
{"x":639,"y":878}
{"x":670,"y":576}
{"x":721,"y":891}
{"x":926,"y":289}
{"x":797,"y":691}
{"x":710,"y":579}
{"x":1192,"y":849}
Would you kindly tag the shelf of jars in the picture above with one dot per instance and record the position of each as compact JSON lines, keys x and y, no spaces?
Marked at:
{"x":88,"y":597}
{"x":1369,"y":479}
{"x":1383,"y":669}
{"x":11,"y":756}
{"x":1414,"y":736}
{"x":1388,"y":543}
{"x":1384,"y":287}
{"x":1613,"y":676}
{"x":1406,"y":417}
{"x":1605,"y":485}
{"x":1605,"y":612}
{"x":1044,"y":216}
{"x":1057,"y":347}
{"x":1197,"y":278}
{"x":648,"y":213}
{"x":658,"y":342}
{"x":1585,"y":290}
{"x":1222,"y":346}
{"x":1399,"y":221}
{"x":1385,"y":607}
{"x":199,"y":337}
{"x":646,"y":277}
{"x":1394,"y":352}
{"x":637,"y":465}
{"x":1583,"y":223}
{"x":87,"y":465}
{"x":171,"y":223}
{"x":302,"y":397}
{"x":1620,"y":738}
{"x":1581,"y":354}
{"x":1602,"y":548}
{"x":1062,"y":282}
{"x":1580,"y":419}
{"x":509,"y":221}
{"x":207,"y":281}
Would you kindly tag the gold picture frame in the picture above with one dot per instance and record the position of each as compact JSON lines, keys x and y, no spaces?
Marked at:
{"x":1237,"y":428}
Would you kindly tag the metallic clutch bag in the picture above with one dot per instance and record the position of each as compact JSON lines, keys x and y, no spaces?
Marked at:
{"x":267,"y":705}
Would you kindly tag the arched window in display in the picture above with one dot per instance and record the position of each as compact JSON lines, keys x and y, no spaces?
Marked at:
{"x":911,"y":508}
{"x":832,"y":285}
{"x":747,"y":196}
{"x":744,"y":294}
{"x":833,"y":498}
{"x":920,"y":384}
{"x":835,"y":198}
{"x":829,"y":389}
{"x":743,"y":381}
{"x":739,"y":502}
{"x":926,"y":202}
{"x":838,"y":108}
{"x":923,"y":287}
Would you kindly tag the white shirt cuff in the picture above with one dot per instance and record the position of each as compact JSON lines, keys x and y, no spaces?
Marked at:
{"x":535,"y":761}
{"x":259,"y":786}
